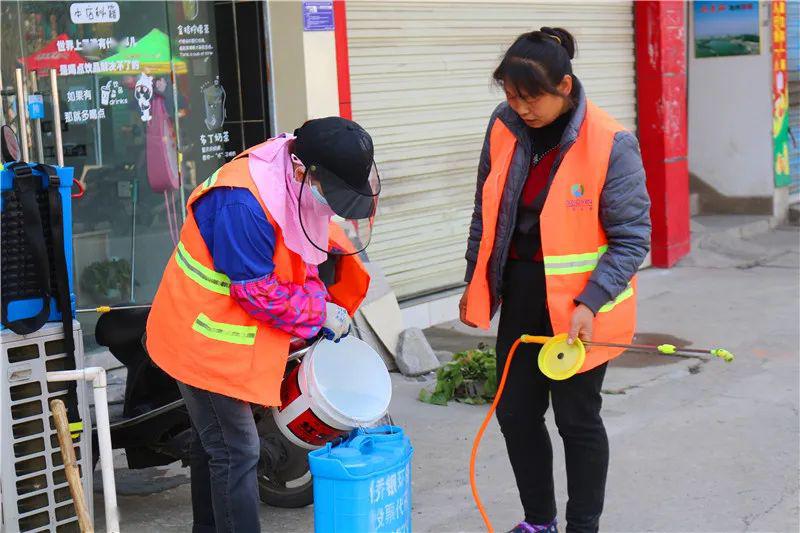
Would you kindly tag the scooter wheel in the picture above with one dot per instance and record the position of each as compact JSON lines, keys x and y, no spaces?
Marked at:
{"x":279,"y":494}
{"x":288,"y":483}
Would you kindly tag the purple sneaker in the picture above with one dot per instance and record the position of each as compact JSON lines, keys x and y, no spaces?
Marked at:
{"x":525,"y":527}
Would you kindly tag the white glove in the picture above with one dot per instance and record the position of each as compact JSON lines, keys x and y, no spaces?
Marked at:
{"x":337,"y":322}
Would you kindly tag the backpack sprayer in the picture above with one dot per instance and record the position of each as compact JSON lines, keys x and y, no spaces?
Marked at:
{"x":560,"y":360}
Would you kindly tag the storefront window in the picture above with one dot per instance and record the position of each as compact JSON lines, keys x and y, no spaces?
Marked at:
{"x":144,"y":116}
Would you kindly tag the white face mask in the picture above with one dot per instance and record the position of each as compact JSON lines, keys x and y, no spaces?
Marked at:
{"x":317,"y":195}
{"x":315,"y":192}
{"x":317,"y":204}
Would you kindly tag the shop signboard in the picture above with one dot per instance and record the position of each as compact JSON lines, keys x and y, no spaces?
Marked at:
{"x":780,"y":96}
{"x":318,"y":16}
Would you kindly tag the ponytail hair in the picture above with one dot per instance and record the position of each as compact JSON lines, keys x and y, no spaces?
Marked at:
{"x":537,"y":62}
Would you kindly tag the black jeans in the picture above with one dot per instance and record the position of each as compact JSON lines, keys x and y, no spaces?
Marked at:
{"x":224,"y":460}
{"x":520,"y":413}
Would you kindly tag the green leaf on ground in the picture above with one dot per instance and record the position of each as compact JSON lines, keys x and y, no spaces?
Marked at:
{"x":471,"y":378}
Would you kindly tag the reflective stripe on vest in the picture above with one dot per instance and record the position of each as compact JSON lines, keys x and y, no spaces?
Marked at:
{"x":220,"y":331}
{"x":573,"y":263}
{"x":212,"y":179}
{"x":203,"y":276}
{"x":624,"y":295}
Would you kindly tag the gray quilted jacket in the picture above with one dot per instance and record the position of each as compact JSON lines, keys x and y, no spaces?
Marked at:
{"x":624,"y":209}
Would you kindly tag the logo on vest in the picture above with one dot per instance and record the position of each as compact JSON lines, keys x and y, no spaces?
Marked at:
{"x":578,"y":202}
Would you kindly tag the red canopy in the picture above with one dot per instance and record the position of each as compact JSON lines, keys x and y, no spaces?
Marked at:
{"x":49,"y":56}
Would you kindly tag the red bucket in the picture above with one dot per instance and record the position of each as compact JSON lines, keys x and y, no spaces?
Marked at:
{"x":336,"y":388}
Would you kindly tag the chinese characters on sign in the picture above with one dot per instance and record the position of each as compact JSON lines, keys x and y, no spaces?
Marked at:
{"x":195,"y":48}
{"x":94,"y":12}
{"x":780,"y":96}
{"x":214,"y":138}
{"x":715,"y":7}
{"x":389,"y":500}
{"x":193,"y":41}
{"x":213,"y":146}
{"x":97,"y":67}
{"x":195,"y":29}
{"x":79,"y":95}
{"x":112,"y":93}
{"x":71,"y":117}
{"x":68,"y":45}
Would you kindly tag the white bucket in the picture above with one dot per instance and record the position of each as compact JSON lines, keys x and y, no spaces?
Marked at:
{"x":336,"y":388}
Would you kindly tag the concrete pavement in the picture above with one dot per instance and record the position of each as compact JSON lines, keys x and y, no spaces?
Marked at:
{"x":695,"y":446}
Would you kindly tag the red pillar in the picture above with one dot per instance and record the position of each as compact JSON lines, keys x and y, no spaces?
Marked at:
{"x":342,"y":58}
{"x":661,"y":95}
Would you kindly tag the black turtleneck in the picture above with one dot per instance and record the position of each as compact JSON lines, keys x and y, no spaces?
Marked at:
{"x":547,"y":137}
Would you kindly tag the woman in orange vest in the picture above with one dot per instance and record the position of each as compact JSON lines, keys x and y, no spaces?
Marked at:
{"x":246,"y":277}
{"x":561,"y":224}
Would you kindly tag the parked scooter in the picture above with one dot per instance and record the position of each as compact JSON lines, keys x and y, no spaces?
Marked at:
{"x":153,"y":426}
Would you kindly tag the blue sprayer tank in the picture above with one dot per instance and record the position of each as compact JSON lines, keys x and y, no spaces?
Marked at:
{"x":363,"y":484}
{"x":24,"y":302}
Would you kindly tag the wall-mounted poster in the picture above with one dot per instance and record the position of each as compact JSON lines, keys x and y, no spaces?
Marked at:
{"x":726,"y":29}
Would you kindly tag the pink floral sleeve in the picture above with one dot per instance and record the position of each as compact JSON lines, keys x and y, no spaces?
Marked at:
{"x":296,"y":309}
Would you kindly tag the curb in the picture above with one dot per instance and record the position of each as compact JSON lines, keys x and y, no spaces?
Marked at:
{"x":743,"y":231}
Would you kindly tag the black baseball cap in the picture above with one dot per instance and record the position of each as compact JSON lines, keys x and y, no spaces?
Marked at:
{"x":340,"y":154}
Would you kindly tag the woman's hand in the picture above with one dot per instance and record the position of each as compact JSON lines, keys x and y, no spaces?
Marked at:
{"x":581,"y":324}
{"x":462,"y":310}
{"x":337,"y":323}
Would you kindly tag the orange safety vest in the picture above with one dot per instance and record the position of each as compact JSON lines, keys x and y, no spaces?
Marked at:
{"x":200,"y":336}
{"x":573,"y":238}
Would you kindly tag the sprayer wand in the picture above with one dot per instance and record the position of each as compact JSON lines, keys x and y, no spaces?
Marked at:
{"x":107,"y":308}
{"x":667,"y":349}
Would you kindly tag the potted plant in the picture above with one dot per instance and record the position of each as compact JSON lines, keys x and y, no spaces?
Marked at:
{"x":471,"y":377}
{"x":106,"y":281}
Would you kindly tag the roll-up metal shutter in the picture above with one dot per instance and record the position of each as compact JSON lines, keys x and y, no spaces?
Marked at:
{"x":421,"y":85}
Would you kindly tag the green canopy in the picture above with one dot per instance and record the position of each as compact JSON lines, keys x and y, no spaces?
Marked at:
{"x":151,"y":55}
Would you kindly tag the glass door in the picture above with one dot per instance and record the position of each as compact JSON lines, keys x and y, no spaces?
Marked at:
{"x":116,"y":70}
{"x":154,"y":97}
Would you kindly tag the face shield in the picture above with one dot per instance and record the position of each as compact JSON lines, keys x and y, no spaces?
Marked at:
{"x":353,"y":207}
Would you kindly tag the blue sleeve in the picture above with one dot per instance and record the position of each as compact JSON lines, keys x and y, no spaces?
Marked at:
{"x":237,"y":233}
